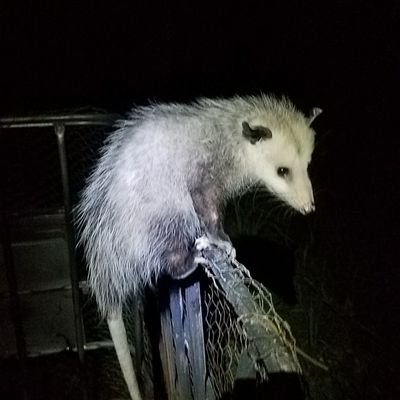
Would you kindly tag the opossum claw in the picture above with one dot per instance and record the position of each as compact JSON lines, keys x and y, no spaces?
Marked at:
{"x":205,"y":242}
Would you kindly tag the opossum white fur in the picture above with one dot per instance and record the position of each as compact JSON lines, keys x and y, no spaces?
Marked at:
{"x":163,"y":178}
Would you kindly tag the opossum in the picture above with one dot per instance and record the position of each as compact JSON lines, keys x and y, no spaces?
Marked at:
{"x":164,"y":177}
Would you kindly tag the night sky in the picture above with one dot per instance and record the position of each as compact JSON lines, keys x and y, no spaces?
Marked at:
{"x":342,"y":56}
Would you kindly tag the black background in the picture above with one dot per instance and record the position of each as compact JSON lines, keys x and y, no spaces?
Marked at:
{"x":342,"y":56}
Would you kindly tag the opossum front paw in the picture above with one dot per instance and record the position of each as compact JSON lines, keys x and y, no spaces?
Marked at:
{"x":205,"y":242}
{"x":202,"y":243}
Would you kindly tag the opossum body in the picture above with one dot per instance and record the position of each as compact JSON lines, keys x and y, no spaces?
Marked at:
{"x":165,"y":174}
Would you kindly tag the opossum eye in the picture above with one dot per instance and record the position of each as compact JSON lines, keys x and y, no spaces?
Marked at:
{"x":283,"y":172}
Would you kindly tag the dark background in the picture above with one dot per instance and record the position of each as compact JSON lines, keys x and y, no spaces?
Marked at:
{"x":341,"y":56}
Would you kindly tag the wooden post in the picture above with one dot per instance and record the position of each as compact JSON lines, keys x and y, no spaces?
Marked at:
{"x":182,"y":343}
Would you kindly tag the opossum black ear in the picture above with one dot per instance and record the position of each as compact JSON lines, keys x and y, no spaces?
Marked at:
{"x":255,"y":134}
{"x":314,"y":114}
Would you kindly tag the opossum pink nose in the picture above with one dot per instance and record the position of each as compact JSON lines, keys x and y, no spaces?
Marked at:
{"x":309,"y":208}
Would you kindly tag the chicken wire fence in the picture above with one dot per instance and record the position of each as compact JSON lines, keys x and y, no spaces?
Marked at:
{"x":238,"y":334}
{"x":246,"y":338}
{"x":225,"y":340}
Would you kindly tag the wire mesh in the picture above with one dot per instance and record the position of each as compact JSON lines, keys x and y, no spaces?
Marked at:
{"x":241,"y":323}
{"x":225,"y":340}
{"x":31,"y":178}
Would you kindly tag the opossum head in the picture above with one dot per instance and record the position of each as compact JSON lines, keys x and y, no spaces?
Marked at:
{"x":278,"y":152}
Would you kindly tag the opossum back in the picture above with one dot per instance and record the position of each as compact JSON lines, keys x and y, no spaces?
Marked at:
{"x":136,"y":206}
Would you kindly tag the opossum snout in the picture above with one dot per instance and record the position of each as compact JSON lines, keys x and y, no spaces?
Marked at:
{"x":308,"y":208}
{"x":303,"y":195}
{"x":303,"y":200}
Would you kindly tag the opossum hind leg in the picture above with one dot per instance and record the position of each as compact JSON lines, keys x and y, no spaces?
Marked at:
{"x":207,"y":206}
{"x":180,"y":263}
{"x":175,"y":237}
